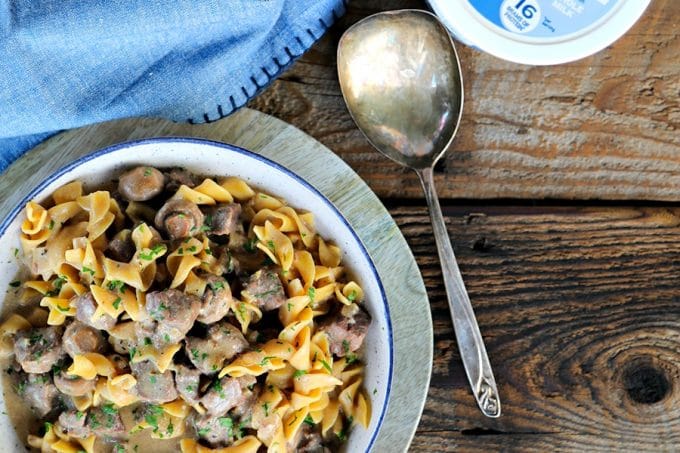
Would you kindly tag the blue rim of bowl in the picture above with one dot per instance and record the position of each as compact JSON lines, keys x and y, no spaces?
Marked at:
{"x":232,"y":148}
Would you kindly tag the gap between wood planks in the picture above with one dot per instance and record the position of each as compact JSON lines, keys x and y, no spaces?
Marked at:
{"x":458,"y":206}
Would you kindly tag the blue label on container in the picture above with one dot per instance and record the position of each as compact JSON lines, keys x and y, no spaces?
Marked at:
{"x":543,"y":18}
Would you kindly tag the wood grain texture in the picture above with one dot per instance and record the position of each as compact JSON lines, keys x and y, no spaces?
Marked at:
{"x":604,"y":127}
{"x":579,"y":311}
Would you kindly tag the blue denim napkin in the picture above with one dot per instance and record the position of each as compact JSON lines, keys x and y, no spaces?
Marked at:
{"x":67,"y":63}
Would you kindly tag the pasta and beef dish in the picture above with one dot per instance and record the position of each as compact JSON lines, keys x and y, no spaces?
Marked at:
{"x":178,"y":313}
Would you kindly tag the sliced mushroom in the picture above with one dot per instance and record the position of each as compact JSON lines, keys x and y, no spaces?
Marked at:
{"x":73,"y":385}
{"x":80,"y":338}
{"x":179,"y":218}
{"x":141,"y":183}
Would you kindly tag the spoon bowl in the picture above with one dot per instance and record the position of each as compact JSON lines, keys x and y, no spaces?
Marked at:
{"x":400,"y":76}
{"x":402,"y":83}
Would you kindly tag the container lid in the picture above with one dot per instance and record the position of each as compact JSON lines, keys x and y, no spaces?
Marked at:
{"x":539,"y":32}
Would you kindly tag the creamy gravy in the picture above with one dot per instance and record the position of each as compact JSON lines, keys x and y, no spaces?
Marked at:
{"x":25,"y":422}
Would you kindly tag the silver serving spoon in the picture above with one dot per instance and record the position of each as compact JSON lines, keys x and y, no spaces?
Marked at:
{"x":400,"y":77}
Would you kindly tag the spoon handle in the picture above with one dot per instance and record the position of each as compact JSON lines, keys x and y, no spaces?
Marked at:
{"x":470,"y":342}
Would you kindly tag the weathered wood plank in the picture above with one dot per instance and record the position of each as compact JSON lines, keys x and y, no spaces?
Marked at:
{"x":580,"y":315}
{"x":605,"y":127}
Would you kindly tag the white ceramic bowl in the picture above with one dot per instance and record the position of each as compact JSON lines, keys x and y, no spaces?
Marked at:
{"x":218,"y":159}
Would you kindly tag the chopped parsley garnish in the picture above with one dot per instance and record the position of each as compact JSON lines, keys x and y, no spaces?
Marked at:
{"x":79,"y":415}
{"x":263,"y":196}
{"x":299,"y":373}
{"x":204,"y":356}
{"x":180,"y":251}
{"x":63,"y":309}
{"x":133,"y":352}
{"x":266,"y":360}
{"x":195,"y":353}
{"x":309,"y":420}
{"x":375,"y":391}
{"x":87,"y":270}
{"x":208,"y":251}
{"x":153,"y":252}
{"x":15,"y":284}
{"x":289,"y":306}
{"x":166,"y":337}
{"x":147,"y":171}
{"x":345,"y":346}
{"x":265,"y":407}
{"x":16,"y":252}
{"x":152,"y":379}
{"x":271,"y":246}
{"x":51,"y":227}
{"x":326,"y":366}
{"x":216,"y":286}
{"x":203,"y":431}
{"x":351,"y":358}
{"x":147,"y":341}
{"x":151,"y":417}
{"x":266,"y":293}
{"x":190,"y":388}
{"x":218,"y":388}
{"x":35,"y":338}
{"x":170,"y":429}
{"x":48,"y":427}
{"x":241,"y":310}
{"x":249,"y":246}
{"x":311,"y":292}
{"x":116,"y":285}
{"x":352,"y":296}
{"x":192,"y":249}
{"x":109,"y":409}
{"x":116,"y":303}
{"x":118,"y":448}
{"x":58,"y":283}
{"x":93,"y":422}
{"x":241,"y":426}
{"x":21,"y":387}
{"x":227,"y":423}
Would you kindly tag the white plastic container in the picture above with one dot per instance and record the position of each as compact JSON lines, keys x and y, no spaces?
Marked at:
{"x":539,"y":32}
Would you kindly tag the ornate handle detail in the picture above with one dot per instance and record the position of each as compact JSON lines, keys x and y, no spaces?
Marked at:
{"x":468,"y":336}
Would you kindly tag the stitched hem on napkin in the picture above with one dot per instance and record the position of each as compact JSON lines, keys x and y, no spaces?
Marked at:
{"x":280,"y":62}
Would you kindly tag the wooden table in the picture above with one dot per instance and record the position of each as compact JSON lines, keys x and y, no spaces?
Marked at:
{"x":561,"y":194}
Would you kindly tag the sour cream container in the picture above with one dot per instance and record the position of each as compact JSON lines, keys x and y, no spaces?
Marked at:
{"x":539,"y":32}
